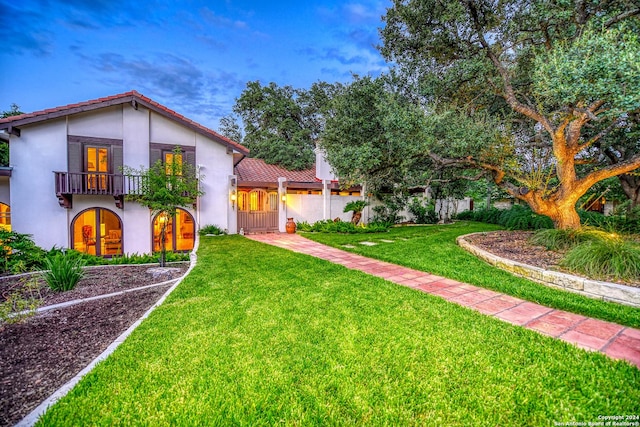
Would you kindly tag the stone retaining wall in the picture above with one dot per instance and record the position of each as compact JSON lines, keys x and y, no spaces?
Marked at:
{"x":605,"y":291}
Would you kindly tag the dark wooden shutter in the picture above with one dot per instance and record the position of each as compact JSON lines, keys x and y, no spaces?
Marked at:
{"x":190,"y":158}
{"x":74,"y":151}
{"x":75,"y":165}
{"x":116,"y":168}
{"x":155,"y":154}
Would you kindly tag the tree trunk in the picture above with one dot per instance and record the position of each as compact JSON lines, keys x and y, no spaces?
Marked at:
{"x":163,"y":240}
{"x":564,"y":218}
{"x":631,"y":186}
{"x":355,"y":219}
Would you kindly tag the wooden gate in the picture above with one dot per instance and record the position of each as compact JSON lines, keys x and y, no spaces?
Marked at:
{"x":257,"y":211}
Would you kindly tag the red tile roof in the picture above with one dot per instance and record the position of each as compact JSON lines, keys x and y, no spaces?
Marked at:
{"x":256,"y":170}
{"x":133,"y":97}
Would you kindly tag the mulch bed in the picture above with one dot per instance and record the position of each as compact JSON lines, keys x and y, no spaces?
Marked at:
{"x":514,"y":245}
{"x":41,"y":353}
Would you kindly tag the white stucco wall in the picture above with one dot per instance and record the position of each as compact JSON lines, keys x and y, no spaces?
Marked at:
{"x":323,"y":169}
{"x":312,"y":208}
{"x":34,"y":155}
{"x":216,"y":165}
{"x":105,"y":123}
{"x":165,"y":131}
{"x":135,"y":141}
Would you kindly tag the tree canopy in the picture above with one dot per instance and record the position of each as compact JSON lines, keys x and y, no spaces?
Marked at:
{"x":282,"y":124}
{"x":550,"y":80}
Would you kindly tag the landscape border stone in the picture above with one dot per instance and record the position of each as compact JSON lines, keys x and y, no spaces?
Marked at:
{"x":605,"y":291}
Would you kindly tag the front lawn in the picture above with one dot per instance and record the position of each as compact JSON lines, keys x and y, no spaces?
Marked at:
{"x":258,"y":335}
{"x":433,"y":249}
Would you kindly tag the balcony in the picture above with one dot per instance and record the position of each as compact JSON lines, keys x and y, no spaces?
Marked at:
{"x":94,"y":183}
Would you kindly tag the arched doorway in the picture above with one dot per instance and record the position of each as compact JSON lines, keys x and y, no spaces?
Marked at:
{"x":180,"y":231}
{"x":5,"y":217}
{"x":97,"y":231}
{"x":257,"y":210}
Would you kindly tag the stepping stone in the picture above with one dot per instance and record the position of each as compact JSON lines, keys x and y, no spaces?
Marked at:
{"x":368,"y":243}
{"x":164,"y":273}
{"x":387,"y":241}
{"x":348,"y":246}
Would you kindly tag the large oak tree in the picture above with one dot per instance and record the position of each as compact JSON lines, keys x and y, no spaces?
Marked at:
{"x":558,"y":77}
{"x":281,"y":123}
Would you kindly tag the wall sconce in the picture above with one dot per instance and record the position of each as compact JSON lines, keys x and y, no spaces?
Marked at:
{"x":284,"y":200}
{"x":233,"y":198}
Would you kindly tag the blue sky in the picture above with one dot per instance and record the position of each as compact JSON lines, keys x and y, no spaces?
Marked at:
{"x":194,"y":57}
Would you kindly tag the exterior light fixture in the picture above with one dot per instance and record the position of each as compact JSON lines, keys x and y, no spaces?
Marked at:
{"x":284,"y":200}
{"x":233,"y":198}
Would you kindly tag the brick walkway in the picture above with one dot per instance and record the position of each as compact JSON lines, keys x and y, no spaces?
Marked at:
{"x":616,"y":341}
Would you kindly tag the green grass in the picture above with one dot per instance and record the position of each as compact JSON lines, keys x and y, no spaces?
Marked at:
{"x":258,"y":335}
{"x":433,"y":249}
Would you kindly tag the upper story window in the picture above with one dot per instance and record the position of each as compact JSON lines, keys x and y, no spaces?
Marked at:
{"x":92,"y":161}
{"x":165,"y":153}
{"x":173,"y":163}
{"x":96,"y":159}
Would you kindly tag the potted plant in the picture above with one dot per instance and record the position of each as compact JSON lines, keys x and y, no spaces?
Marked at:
{"x":356,"y":206}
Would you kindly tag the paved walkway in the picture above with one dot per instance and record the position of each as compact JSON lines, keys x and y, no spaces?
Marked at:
{"x":616,"y":341}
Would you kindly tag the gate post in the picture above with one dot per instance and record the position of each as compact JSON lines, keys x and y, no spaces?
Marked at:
{"x":282,"y":204}
{"x":232,"y":205}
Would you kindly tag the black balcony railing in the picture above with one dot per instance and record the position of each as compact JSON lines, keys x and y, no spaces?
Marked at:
{"x":93,"y":183}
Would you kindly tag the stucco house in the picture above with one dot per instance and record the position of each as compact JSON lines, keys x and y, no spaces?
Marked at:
{"x":268,"y":194}
{"x":64,"y":184}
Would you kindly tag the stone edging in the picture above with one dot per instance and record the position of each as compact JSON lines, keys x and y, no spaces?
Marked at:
{"x":605,"y":291}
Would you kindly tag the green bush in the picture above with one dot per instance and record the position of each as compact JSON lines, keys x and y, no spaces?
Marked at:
{"x":19,"y":253}
{"x":211,"y":229}
{"x":423,"y":212}
{"x":614,"y":223}
{"x":136,"y":258}
{"x":519,"y":217}
{"x":329,"y":226}
{"x":613,"y":257}
{"x":556,"y":239}
{"x":63,"y":272}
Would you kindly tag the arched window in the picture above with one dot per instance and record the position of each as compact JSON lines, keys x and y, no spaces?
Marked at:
{"x":5,"y":217}
{"x":97,"y":231}
{"x":179,"y":231}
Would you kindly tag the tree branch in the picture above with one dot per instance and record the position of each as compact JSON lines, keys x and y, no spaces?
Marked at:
{"x":622,"y":16}
{"x":509,"y":94}
{"x":613,"y":170}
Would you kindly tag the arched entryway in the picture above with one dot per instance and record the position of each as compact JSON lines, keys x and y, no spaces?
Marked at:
{"x":257,"y":210}
{"x":180,"y":231}
{"x":97,"y":231}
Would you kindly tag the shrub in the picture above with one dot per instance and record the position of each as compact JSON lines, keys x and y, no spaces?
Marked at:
{"x":19,"y":253}
{"x":211,"y":229}
{"x":387,"y":214}
{"x":64,"y":272}
{"x":565,"y":239}
{"x":21,"y":302}
{"x":519,"y":217}
{"x":612,"y":257}
{"x":423,"y":212}
{"x":136,"y":258}
{"x":614,"y":223}
{"x":329,"y":226}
